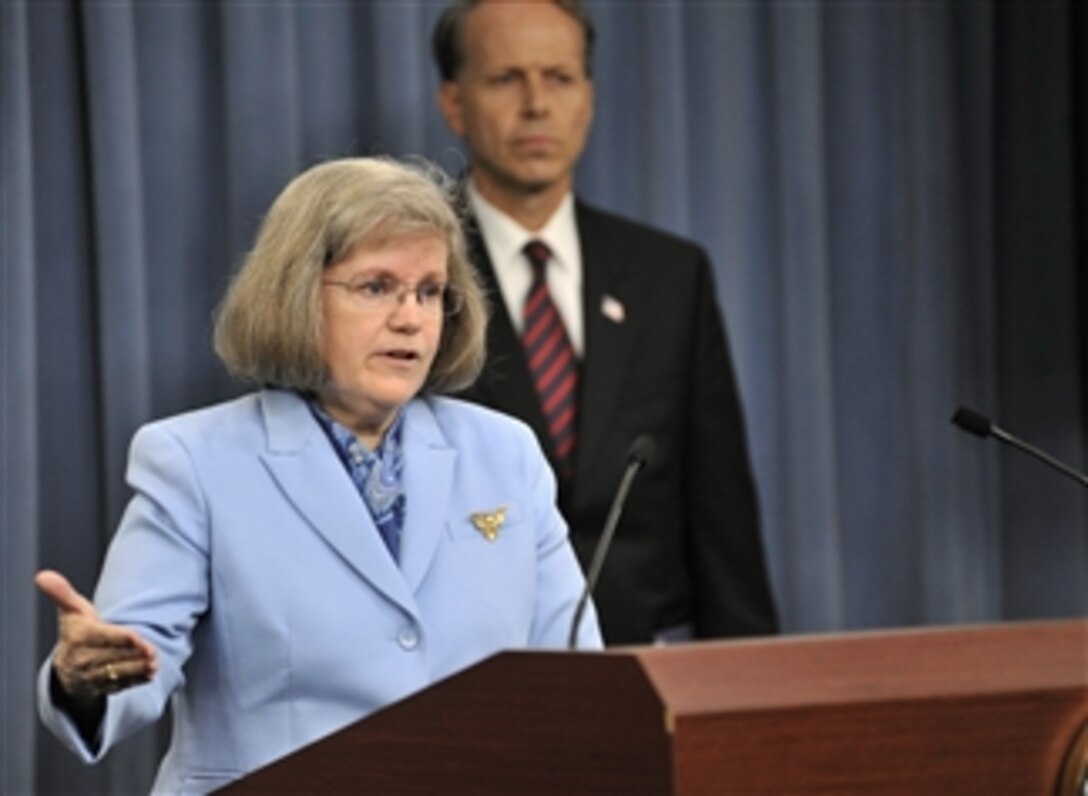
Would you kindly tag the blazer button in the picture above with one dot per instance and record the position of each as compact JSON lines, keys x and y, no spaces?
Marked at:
{"x":408,"y":638}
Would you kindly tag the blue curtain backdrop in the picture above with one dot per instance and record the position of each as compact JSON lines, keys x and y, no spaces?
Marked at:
{"x":893,"y":194}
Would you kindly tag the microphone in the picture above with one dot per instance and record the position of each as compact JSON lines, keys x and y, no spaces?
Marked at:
{"x":981,"y":426}
{"x":639,"y":455}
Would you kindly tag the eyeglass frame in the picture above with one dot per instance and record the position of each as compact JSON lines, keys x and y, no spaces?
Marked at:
{"x":452,"y":300}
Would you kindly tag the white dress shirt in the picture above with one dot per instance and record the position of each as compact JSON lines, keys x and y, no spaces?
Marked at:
{"x":505,"y":238}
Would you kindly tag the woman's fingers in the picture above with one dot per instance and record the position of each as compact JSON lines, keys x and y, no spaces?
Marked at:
{"x":119,"y":675}
{"x":93,"y":658}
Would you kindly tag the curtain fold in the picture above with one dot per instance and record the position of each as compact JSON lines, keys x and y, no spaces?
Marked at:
{"x":18,"y":416}
{"x":890,"y":193}
{"x":110,"y":89}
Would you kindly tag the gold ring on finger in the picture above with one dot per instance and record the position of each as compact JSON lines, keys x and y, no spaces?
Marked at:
{"x":111,"y":673}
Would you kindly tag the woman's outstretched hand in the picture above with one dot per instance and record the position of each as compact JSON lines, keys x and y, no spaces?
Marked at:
{"x":93,"y":659}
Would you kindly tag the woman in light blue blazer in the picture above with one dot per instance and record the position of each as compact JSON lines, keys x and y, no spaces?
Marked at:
{"x":297,"y":558}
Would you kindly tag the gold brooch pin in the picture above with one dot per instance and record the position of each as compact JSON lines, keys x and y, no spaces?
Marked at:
{"x":489,"y":522}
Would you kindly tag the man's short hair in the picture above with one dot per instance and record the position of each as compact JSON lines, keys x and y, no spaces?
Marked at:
{"x":447,"y":40}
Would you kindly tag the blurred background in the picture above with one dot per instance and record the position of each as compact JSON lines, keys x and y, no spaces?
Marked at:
{"x":893,"y":193}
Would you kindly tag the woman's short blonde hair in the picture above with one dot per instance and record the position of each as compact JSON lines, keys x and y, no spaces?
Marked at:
{"x":268,"y":329}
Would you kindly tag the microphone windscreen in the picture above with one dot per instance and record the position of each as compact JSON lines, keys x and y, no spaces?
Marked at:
{"x":970,"y":420}
{"x":642,"y":449}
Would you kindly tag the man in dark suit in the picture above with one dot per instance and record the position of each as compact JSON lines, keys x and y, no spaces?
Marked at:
{"x":608,"y":331}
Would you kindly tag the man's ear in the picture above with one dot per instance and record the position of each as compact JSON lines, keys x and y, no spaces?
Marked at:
{"x":449,"y":103}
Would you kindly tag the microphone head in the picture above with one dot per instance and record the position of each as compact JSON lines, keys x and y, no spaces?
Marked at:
{"x":642,"y":450}
{"x":972,"y":421}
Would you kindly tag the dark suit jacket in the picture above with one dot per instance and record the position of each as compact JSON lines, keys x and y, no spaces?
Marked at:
{"x":688,"y":547}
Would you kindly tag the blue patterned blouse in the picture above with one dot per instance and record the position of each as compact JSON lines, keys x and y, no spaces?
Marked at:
{"x":378,"y":475}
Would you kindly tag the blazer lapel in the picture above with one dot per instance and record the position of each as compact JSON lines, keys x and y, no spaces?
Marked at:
{"x":429,"y":464}
{"x":608,"y":343}
{"x":506,"y":383}
{"x":304,"y":465}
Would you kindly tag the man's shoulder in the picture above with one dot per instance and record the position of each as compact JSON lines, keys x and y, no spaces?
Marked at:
{"x":637,"y":235}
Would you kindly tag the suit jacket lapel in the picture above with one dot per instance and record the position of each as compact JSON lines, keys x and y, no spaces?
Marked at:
{"x":304,"y":465}
{"x":608,"y":344}
{"x":429,"y":464}
{"x":506,"y":383}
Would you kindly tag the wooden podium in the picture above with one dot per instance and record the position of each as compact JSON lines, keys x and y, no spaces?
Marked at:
{"x":996,"y":709}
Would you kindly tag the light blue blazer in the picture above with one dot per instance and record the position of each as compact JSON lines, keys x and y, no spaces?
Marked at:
{"x":251,"y":562}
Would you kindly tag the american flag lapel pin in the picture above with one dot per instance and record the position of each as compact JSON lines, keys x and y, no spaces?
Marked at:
{"x":612,"y":308}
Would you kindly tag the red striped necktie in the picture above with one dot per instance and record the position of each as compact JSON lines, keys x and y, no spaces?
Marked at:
{"x":551,"y":360}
